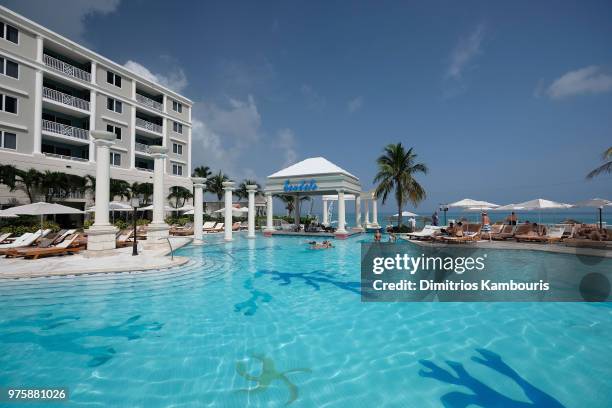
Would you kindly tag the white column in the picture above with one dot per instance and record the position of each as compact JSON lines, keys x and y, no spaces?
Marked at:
{"x":101,"y":235}
{"x":198,"y":184}
{"x":269,"y":210}
{"x":158,"y":228}
{"x":38,"y":85}
{"x":341,"y":213}
{"x":375,"y":213}
{"x":367,"y":212}
{"x":189,"y":149}
{"x":357,"y":211}
{"x":94,"y":72}
{"x":228,"y":186}
{"x":39,"y":49}
{"x":252,"y":189}
{"x":93,"y":99}
{"x":325,"y":215}
{"x":132,"y":132}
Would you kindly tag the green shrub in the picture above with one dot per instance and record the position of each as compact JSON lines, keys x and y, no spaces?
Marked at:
{"x":19,"y":229}
{"x":121,"y":224}
{"x":87,"y":223}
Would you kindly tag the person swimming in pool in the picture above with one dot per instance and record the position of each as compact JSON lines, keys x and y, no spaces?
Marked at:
{"x":377,"y":236}
{"x":323,"y":245}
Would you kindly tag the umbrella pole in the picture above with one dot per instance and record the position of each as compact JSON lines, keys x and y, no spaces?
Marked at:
{"x":600,"y":219}
{"x":41,"y":222}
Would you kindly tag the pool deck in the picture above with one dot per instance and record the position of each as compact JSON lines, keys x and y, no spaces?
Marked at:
{"x":87,"y":262}
{"x":534,"y":246}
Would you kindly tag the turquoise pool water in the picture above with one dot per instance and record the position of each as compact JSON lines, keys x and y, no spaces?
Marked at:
{"x":286,"y":322}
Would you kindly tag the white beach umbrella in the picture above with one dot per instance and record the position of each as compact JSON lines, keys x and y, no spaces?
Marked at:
{"x":186,"y":207}
{"x":509,"y":207}
{"x":236,"y":211}
{"x":405,"y":214}
{"x":167,"y":208}
{"x":596,"y":203}
{"x":542,"y":204}
{"x":114,"y":206}
{"x":42,"y":209}
{"x":469,"y":203}
{"x":3,"y":215}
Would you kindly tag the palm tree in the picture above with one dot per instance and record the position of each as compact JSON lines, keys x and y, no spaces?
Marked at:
{"x":29,"y":182}
{"x":215,"y":184}
{"x":119,"y":188}
{"x":242,"y":191}
{"x":289,"y":201}
{"x":8,"y":176}
{"x":180,"y":195}
{"x":604,"y":168}
{"x":144,"y":190}
{"x":201,"y":171}
{"x":396,"y":170}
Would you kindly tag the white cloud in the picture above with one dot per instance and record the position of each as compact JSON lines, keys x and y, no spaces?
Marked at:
{"x":222,"y":134}
{"x":67,"y":17}
{"x":588,"y":80}
{"x":313,"y":99}
{"x":464,"y":52}
{"x":286,"y":142}
{"x":355,"y":104}
{"x":175,"y":79}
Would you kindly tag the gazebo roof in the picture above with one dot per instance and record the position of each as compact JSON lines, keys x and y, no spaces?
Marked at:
{"x":314,"y":166}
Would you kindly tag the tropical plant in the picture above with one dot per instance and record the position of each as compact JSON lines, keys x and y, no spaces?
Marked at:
{"x":289,"y":201}
{"x":242,"y":191}
{"x":29,"y":182}
{"x":396,"y":170}
{"x":201,"y":171}
{"x":604,"y":168}
{"x":57,"y":185}
{"x":8,"y":176}
{"x":215,"y":184}
{"x":179,"y":195}
{"x":119,"y":188}
{"x":142,"y":190}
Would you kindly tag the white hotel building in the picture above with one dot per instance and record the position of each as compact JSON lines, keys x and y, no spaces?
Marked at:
{"x":53,"y":91}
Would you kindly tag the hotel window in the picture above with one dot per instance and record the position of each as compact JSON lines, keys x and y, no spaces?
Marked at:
{"x":115,"y":159}
{"x":113,"y":79}
{"x":8,"y":103}
{"x":177,"y":127}
{"x":114,"y":105}
{"x":177,"y":169}
{"x":8,"y":140}
{"x":10,"y":33}
{"x":177,"y":148}
{"x":114,"y":129}
{"x":177,"y":106}
{"x":9,"y":68}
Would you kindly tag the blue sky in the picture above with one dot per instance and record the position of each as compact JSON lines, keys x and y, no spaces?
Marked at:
{"x":503,"y":102}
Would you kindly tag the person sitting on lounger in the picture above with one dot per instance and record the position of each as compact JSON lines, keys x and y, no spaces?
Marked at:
{"x":377,"y":236}
{"x":458,"y":230}
{"x":450,"y":230}
{"x":511,"y":219}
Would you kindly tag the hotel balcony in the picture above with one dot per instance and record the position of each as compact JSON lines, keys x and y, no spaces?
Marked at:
{"x":72,"y":132}
{"x":61,"y":149}
{"x":149,"y":125}
{"x":65,"y":99}
{"x":149,"y":102}
{"x":66,"y":68}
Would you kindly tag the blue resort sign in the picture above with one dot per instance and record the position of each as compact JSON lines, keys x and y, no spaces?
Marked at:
{"x":305,"y":185}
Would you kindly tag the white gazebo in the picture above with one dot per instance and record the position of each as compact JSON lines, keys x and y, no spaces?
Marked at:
{"x":315,"y":176}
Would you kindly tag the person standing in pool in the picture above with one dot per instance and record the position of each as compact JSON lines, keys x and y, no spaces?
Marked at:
{"x":434,"y":219}
{"x":511,"y":218}
{"x":377,"y":236}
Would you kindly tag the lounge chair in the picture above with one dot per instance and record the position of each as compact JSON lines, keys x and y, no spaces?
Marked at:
{"x":428,"y":232}
{"x":506,"y":232}
{"x":530,"y":235}
{"x":182,"y":232}
{"x":124,"y":238}
{"x":208,"y":225}
{"x":25,"y":240}
{"x":465,"y":238}
{"x":244,"y":225}
{"x":555,"y":234}
{"x":217,"y":228}
{"x":69,"y":245}
{"x":3,"y":237}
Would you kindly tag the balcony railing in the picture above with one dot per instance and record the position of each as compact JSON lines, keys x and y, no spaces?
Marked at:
{"x":60,"y":156}
{"x":145,"y":124}
{"x":65,"y":130}
{"x":66,"y":195}
{"x":145,"y":169}
{"x":149,"y":102}
{"x":65,"y":99}
{"x":66,"y":68}
{"x":141,"y":147}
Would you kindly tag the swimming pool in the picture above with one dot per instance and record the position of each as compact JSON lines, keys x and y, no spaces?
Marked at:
{"x":271,"y":315}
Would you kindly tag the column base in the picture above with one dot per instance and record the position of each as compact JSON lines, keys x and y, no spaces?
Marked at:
{"x":101,"y":237}
{"x":268,"y":233}
{"x":157,"y":231}
{"x":341,"y":235}
{"x":251,"y":236}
